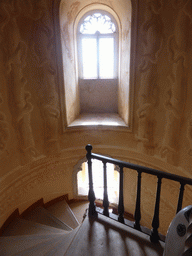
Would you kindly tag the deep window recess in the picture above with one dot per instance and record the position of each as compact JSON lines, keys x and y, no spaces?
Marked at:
{"x":97,"y":47}
{"x":82,"y":98}
{"x":98,"y":41}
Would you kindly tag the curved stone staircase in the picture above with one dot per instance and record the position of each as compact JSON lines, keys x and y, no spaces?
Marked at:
{"x":41,"y":231}
{"x":58,"y":230}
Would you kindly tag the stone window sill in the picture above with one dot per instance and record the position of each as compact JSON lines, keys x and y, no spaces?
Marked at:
{"x":99,"y":119}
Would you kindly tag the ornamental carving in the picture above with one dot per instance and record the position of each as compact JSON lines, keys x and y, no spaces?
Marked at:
{"x":45,"y":173}
{"x":65,"y":30}
{"x":20,"y":106}
{"x":4,"y":130}
{"x":177,"y":49}
{"x":44,"y":58}
{"x":148,"y":92}
{"x":189,"y":135}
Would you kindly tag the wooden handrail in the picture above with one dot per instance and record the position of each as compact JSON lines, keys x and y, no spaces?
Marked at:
{"x":144,"y":169}
{"x":140,"y":169}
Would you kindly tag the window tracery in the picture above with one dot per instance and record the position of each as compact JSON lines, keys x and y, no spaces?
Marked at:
{"x":97,"y":22}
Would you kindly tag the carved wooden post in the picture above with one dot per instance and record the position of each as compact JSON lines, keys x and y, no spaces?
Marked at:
{"x":91,"y":195}
{"x":121,"y":204}
{"x":105,"y":194}
{"x":180,"y":200}
{"x":137,"y":215}
{"x":155,"y":224}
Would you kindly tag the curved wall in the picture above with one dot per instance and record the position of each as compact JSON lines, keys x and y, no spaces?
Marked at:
{"x":37,"y":156}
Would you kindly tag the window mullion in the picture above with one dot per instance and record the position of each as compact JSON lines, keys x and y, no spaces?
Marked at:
{"x":98,"y":57}
{"x":80,"y":57}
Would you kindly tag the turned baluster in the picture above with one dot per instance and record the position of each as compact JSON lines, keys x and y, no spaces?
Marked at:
{"x":180,"y":200}
{"x":91,"y":194}
{"x":105,"y":194}
{"x":137,"y":215}
{"x":155,"y":224}
{"x":121,"y":203}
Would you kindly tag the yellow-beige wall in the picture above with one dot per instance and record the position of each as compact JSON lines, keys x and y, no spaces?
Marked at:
{"x":37,"y":155}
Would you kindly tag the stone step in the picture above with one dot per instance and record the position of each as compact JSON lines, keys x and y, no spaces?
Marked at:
{"x":79,"y":209}
{"x":95,"y":236}
{"x":43,"y":216}
{"x":55,"y":246}
{"x":41,"y":249}
{"x":40,"y":233}
{"x":63,"y":212}
{"x":104,"y":236}
{"x":20,"y":227}
{"x":61,"y":247}
{"x":12,"y":245}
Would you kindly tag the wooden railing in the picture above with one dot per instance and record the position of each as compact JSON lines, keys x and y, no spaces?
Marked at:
{"x":154,"y":235}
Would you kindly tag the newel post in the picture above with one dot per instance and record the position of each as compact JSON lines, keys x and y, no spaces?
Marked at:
{"x":91,"y":194}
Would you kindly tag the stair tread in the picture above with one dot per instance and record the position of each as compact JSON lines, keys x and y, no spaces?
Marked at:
{"x":20,"y":227}
{"x":62,"y":211}
{"x":98,"y":236}
{"x":10,"y":245}
{"x":79,"y":209}
{"x":104,"y":236}
{"x":63,"y":245}
{"x":42,"y":216}
{"x":53,"y":244}
{"x":40,"y":249}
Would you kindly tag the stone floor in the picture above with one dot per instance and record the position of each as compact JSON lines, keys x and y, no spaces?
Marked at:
{"x":104,"y":236}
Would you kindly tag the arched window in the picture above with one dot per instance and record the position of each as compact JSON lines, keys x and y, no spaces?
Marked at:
{"x":97,"y":52}
{"x":82,"y":184}
{"x":98,"y":46}
{"x":96,"y":82}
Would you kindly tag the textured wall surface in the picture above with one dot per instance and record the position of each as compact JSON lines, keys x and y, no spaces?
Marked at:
{"x":37,"y":155}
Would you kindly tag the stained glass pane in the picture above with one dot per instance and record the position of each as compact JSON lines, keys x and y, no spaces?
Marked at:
{"x":89,"y":56}
{"x":97,"y":22}
{"x":106,"y":58}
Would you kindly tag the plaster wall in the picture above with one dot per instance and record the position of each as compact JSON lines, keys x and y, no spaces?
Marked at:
{"x":37,"y":155}
{"x":98,"y":96}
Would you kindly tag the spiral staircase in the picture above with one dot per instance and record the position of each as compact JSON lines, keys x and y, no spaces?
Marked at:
{"x":44,"y":230}
{"x":59,"y":229}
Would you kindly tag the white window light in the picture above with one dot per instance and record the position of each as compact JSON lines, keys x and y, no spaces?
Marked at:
{"x":98,"y":47}
{"x":97,"y":172}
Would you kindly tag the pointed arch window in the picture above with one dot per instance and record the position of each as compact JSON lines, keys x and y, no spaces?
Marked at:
{"x":98,"y":46}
